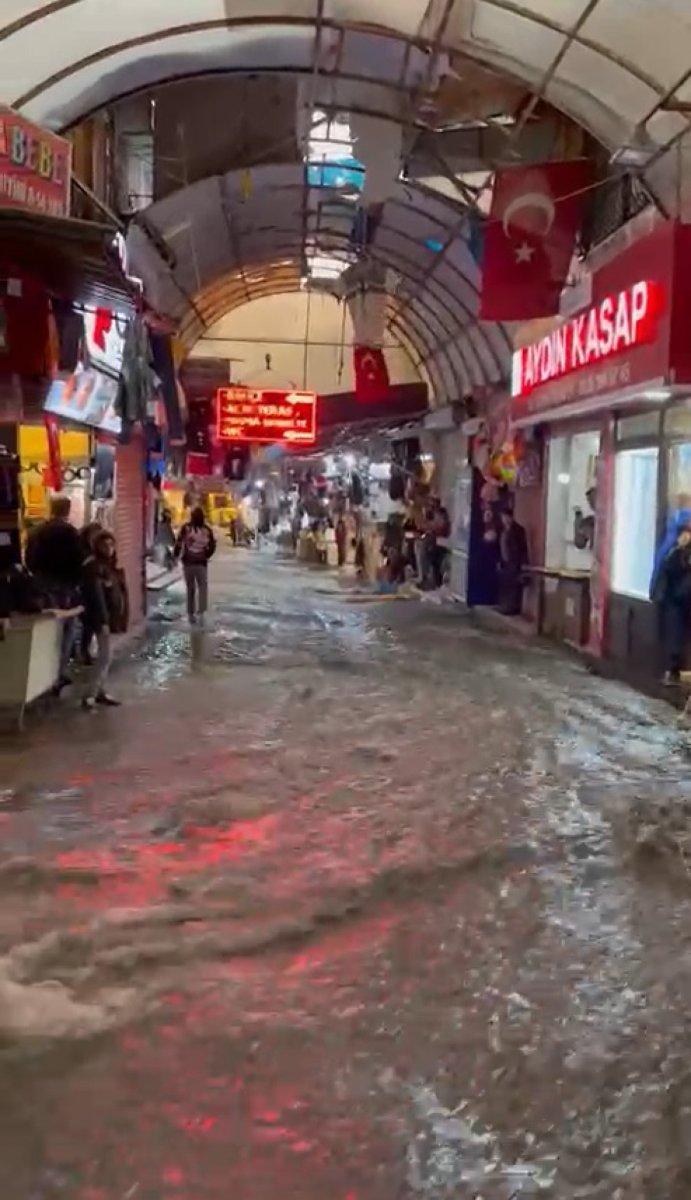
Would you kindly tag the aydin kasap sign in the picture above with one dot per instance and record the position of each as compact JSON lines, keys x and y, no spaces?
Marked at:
{"x":619,"y":323}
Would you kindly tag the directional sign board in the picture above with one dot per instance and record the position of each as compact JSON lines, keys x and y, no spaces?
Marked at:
{"x":251,"y":415}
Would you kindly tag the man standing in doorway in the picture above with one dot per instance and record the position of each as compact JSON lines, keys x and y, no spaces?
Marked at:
{"x":513,"y":544}
{"x":195,"y":546}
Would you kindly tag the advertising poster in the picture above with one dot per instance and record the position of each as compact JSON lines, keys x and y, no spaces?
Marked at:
{"x":89,"y":394}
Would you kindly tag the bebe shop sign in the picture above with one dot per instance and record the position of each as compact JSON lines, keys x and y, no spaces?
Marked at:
{"x":619,"y":323}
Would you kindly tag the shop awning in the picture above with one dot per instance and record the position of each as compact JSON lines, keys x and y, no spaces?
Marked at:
{"x":342,"y":416}
{"x":74,"y":259}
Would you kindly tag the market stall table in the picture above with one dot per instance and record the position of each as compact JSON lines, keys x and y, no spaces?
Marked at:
{"x":30,"y":657}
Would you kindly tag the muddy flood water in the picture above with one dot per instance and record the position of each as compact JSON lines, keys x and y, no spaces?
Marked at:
{"x":343,"y":904}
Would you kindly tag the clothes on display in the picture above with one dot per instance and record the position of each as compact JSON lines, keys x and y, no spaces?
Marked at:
{"x":69,"y":335}
{"x":137,"y":380}
{"x":164,"y":367}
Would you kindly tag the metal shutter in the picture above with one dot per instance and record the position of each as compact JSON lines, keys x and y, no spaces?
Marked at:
{"x":129,"y":523}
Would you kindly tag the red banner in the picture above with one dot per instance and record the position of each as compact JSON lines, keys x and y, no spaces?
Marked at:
{"x":616,"y":325}
{"x":530,"y":238}
{"x":248,"y":415}
{"x":35,"y":167}
{"x":631,"y":339}
{"x":53,"y":473}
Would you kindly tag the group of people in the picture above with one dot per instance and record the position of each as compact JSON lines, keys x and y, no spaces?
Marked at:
{"x":79,"y":569}
{"x":414,"y":543}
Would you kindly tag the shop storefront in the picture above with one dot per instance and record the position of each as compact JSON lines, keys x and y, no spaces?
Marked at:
{"x":609,"y":394}
{"x":499,"y":473}
{"x":75,"y":456}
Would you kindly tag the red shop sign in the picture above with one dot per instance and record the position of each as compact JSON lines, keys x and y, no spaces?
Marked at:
{"x":35,"y":167}
{"x":248,"y":415}
{"x":617,"y":324}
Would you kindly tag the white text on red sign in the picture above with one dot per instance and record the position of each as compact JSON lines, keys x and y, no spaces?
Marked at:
{"x":619,"y":323}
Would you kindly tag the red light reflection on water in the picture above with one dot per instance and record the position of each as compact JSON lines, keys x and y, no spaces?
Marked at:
{"x":344,"y":943}
{"x":140,"y":874}
{"x":173,"y":1176}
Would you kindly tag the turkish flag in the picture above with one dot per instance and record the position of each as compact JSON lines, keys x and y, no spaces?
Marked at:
{"x":530,"y":238}
{"x":371,"y":373}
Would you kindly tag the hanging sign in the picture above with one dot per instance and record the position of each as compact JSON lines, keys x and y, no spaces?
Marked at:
{"x":250,"y":415}
{"x":619,"y":323}
{"x":35,"y":167}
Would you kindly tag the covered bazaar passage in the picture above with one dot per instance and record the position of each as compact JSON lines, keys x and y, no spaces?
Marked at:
{"x":357,"y":883}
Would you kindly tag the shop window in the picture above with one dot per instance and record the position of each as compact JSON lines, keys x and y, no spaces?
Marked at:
{"x":635,"y":521}
{"x":678,"y":420}
{"x":572,"y":479}
{"x":679,"y":481}
{"x":638,"y":426}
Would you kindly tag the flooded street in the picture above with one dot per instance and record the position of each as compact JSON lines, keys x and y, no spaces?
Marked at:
{"x":342,"y":904}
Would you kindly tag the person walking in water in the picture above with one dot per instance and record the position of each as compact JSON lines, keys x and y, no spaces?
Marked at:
{"x":195,"y":546}
{"x":106,"y":612}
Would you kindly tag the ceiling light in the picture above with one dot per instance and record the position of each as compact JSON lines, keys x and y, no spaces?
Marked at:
{"x":323,"y":266}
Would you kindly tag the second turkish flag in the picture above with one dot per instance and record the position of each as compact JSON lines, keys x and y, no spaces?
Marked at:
{"x":371,"y":373}
{"x":534,"y":221}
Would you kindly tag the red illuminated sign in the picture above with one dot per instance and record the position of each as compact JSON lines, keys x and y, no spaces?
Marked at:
{"x":35,"y":167}
{"x":247,"y":415}
{"x":619,"y":323}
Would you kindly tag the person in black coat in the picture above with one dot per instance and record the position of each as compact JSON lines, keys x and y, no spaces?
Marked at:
{"x":672,"y":597}
{"x":106,"y":612}
{"x":55,"y":556}
{"x":513,"y":551}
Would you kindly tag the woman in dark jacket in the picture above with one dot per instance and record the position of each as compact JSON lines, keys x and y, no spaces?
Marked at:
{"x":672,"y":596}
{"x":106,"y":612}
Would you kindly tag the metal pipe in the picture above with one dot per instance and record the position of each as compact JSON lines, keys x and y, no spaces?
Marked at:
{"x":242,"y":340}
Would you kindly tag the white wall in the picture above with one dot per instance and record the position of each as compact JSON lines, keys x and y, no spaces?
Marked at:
{"x":277,"y":325}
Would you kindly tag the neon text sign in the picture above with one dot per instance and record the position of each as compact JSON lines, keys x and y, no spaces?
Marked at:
{"x":617,"y":324}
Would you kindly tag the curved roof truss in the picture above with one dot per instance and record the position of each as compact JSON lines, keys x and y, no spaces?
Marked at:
{"x":210,"y":247}
{"x":621,"y":68}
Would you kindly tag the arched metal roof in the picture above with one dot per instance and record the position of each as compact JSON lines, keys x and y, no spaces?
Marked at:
{"x":225,"y":247}
{"x":619,"y":67}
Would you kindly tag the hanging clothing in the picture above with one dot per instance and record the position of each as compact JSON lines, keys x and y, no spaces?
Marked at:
{"x":69,"y":326}
{"x":164,"y":366}
{"x":137,"y":381}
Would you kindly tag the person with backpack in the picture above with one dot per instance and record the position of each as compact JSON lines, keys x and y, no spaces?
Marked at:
{"x":195,"y":547}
